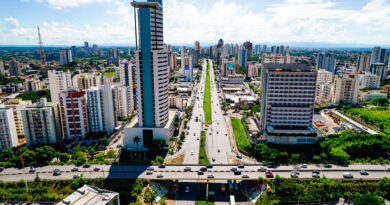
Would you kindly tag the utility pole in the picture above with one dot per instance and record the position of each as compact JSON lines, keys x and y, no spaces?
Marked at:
{"x":41,"y":51}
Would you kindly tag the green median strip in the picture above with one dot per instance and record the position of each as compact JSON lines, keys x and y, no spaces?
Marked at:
{"x":202,"y":149}
{"x":242,"y":140}
{"x":207,"y":97}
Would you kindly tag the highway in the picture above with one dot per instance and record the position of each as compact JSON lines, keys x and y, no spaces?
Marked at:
{"x":170,"y":172}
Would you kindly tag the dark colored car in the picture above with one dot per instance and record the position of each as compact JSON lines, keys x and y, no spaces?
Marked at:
{"x":241,"y":166}
{"x":200,"y":172}
{"x":327,"y":165}
{"x":161,"y":166}
{"x":203,"y":169}
{"x":209,"y":166}
{"x":237,"y":172}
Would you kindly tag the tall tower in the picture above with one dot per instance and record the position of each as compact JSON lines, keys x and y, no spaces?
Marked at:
{"x":151,"y":66}
{"x":42,"y":55}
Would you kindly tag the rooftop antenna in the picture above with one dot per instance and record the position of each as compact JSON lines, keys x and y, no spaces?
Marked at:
{"x":41,"y":51}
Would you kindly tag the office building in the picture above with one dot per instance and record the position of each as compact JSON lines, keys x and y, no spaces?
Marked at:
{"x":288,"y":94}
{"x":59,"y":81}
{"x":346,"y":89}
{"x":100,"y":109}
{"x":113,"y":56}
{"x":249,"y":47}
{"x":42,"y":122}
{"x":363,"y":63}
{"x":14,"y":68}
{"x":65,"y":56}
{"x":8,"y":136}
{"x":227,"y":67}
{"x":196,"y":53}
{"x":154,"y":121}
{"x":74,"y":114}
{"x":95,"y":50}
{"x":172,"y":61}
{"x":74,"y":52}
{"x":326,"y":61}
{"x":369,"y":81}
{"x":378,"y":55}
{"x":2,"y":71}
{"x":188,"y":67}
{"x":253,"y":69}
{"x":243,"y":57}
{"x":86,"y":49}
{"x":379,"y":69}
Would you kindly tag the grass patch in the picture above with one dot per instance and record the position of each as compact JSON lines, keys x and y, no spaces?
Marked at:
{"x":202,"y":149}
{"x":111,"y":74}
{"x":242,"y":140}
{"x":201,"y":199}
{"x":378,"y":116}
{"x":207,"y":97}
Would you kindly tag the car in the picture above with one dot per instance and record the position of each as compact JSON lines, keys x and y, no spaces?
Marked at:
{"x":209,"y":166}
{"x":159,"y":175}
{"x":262,"y":169}
{"x":192,"y":152}
{"x":194,"y":134}
{"x":315,"y":175}
{"x":119,"y":146}
{"x":187,"y":190}
{"x":187,"y":169}
{"x":316,"y":171}
{"x":203,"y":169}
{"x":225,"y":134}
{"x":86,"y":166}
{"x":363,"y":172}
{"x":245,"y":176}
{"x":210,"y":133}
{"x":75,"y":176}
{"x":200,"y":172}
{"x":294,"y":174}
{"x":219,"y":150}
{"x":32,"y":170}
{"x":210,"y":176}
{"x":96,"y":169}
{"x":237,"y":172}
{"x":239,"y":156}
{"x":347,"y":175}
{"x":233,"y":169}
{"x":197,"y":138}
{"x":56,"y":171}
{"x":150,"y":168}
{"x":161,"y":166}
{"x":241,"y":166}
{"x":327,"y":165}
{"x":213,"y":159}
{"x":269,"y":174}
{"x":303,"y":166}
{"x":271,"y":166}
{"x":74,"y":169}
{"x":149,"y":172}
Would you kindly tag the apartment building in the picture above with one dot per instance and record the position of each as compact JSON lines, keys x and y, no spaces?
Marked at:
{"x":8,"y":136}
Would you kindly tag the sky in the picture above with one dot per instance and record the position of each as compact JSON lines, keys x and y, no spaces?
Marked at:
{"x":111,"y":22}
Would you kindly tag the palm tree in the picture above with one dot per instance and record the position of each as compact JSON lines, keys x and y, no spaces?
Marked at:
{"x":136,"y":141}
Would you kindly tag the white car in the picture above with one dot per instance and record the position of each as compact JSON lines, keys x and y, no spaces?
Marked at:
{"x":75,"y":176}
{"x":262,"y":169}
{"x":160,"y":175}
{"x":75,"y":169}
{"x":192,"y":152}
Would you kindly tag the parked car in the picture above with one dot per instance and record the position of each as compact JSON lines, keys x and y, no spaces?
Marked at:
{"x":347,"y":175}
{"x":363,"y":172}
{"x":269,"y":174}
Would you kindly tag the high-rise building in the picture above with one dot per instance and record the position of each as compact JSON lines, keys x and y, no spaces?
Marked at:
{"x":378,"y":55}
{"x":86,"y":49}
{"x":128,"y":51}
{"x":346,"y":89}
{"x":363,"y":63}
{"x":253,"y":69}
{"x":188,"y":67}
{"x":172,"y":61}
{"x":281,"y":50}
{"x":264,"y":48}
{"x":243,"y":57}
{"x":74,"y":52}
{"x":42,"y":122}
{"x":196,"y":53}
{"x":95,"y":49}
{"x":84,"y":81}
{"x":273,"y":51}
{"x":324,"y":76}
{"x":324,"y":85}
{"x":273,"y":59}
{"x":123,"y":99}
{"x":154,"y":120}
{"x":8,"y":136}
{"x":2,"y":72}
{"x":100,"y":109}
{"x":227,"y":67}
{"x":125,"y":74}
{"x":59,"y":81}
{"x":369,"y":81}
{"x":113,"y":56}
{"x":379,"y":69}
{"x":249,"y":47}
{"x":17,"y":105}
{"x":32,"y":85}
{"x":65,"y":56}
{"x":287,"y":106}
{"x":326,"y":61}
{"x":14,"y":68}
{"x":74,"y":114}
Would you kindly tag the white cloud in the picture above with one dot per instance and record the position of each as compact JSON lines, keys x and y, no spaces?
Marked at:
{"x":11,"y":21}
{"x":62,"y":4}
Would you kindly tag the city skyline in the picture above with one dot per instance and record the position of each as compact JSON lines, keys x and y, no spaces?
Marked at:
{"x":300,"y":21}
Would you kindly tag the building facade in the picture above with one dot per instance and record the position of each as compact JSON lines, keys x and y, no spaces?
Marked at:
{"x":8,"y":136}
{"x":59,"y":81}
{"x":65,"y":56}
{"x":14,"y":68}
{"x":363,"y":63}
{"x":346,"y":89}
{"x":326,"y":61}
{"x":101,"y":109}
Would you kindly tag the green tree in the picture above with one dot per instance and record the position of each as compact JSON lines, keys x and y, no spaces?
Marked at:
{"x":368,"y":199}
{"x":380,"y":101}
{"x":338,"y":155}
{"x":91,"y":151}
{"x":295,"y":157}
{"x":103,"y":141}
{"x":260,"y":180}
{"x":79,"y":182}
{"x":149,"y":195}
{"x":64,"y":157}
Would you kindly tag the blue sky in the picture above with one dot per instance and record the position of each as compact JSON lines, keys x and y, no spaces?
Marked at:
{"x":105,"y":22}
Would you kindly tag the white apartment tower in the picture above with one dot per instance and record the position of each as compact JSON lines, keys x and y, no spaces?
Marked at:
{"x":8,"y":136}
{"x":100,"y":109}
{"x":59,"y":81}
{"x":346,"y":89}
{"x":65,"y":56}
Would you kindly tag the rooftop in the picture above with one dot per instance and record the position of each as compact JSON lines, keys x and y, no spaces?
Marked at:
{"x":89,"y":195}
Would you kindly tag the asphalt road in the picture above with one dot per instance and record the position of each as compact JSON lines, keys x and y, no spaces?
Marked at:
{"x":177,"y":172}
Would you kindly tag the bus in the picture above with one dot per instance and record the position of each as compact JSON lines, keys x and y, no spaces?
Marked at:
{"x":232,"y":200}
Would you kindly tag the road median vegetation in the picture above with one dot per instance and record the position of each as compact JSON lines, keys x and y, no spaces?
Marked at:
{"x":202,"y":149}
{"x":207,"y":97}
